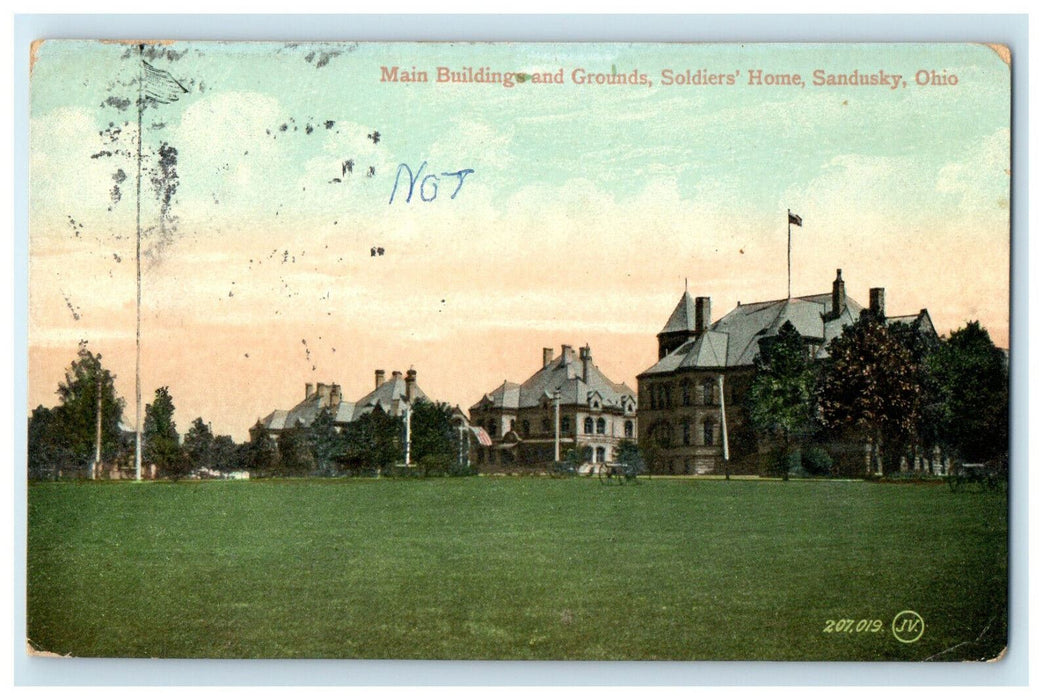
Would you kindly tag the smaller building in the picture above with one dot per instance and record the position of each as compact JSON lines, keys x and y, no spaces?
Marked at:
{"x":391,"y":396}
{"x":567,"y":402}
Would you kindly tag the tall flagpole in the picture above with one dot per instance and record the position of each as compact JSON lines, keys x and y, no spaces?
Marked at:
{"x":789,"y":254}
{"x":138,"y":285}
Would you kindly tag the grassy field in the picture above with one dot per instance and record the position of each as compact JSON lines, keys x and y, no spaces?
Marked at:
{"x":515,"y":568}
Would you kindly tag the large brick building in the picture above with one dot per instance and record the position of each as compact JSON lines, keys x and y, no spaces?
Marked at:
{"x":701,"y":363}
{"x":567,"y":396}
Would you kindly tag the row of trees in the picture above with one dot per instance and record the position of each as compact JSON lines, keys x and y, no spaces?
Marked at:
{"x":904,"y":392}
{"x":86,"y":427}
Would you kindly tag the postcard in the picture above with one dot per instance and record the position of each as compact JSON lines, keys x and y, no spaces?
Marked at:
{"x":519,"y":351}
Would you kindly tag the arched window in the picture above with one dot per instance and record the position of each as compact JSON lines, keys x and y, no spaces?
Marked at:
{"x":628,"y":428}
{"x":588,"y":454}
{"x":588,"y":426}
{"x":526,"y":428}
{"x":600,"y":454}
{"x":709,"y":389}
{"x":512,"y":422}
{"x":601,"y":426}
{"x":687,"y":398}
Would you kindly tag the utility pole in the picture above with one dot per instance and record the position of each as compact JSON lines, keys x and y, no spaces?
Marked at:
{"x":408,"y":436}
{"x":98,"y":428}
{"x":725,"y":428}
{"x":557,"y":425}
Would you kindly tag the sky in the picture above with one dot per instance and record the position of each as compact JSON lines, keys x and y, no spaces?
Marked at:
{"x":587,"y":208}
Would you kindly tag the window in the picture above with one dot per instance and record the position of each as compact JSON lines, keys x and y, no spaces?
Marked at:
{"x":526,"y":428}
{"x":709,"y":432}
{"x":686,"y":394}
{"x":686,"y":432}
{"x":588,"y":426}
{"x":547,"y":425}
{"x":601,"y":426}
{"x":491,"y":427}
{"x":652,"y":397}
{"x":600,"y":452}
{"x":628,"y":429}
{"x":588,"y":454}
{"x":566,"y":425}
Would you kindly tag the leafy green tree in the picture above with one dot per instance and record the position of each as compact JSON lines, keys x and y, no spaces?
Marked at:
{"x":228,"y":456}
{"x":434,"y":437}
{"x":325,"y":443}
{"x":65,"y":435}
{"x":293,"y":450}
{"x":199,"y":445}
{"x":261,"y":455}
{"x":629,"y":454}
{"x":374,"y":443}
{"x":972,"y":379}
{"x":160,"y":438}
{"x":871,"y":385}
{"x":48,"y":453}
{"x":780,"y":402}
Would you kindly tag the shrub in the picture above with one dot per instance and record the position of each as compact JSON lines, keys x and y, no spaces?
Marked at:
{"x":816,"y":461}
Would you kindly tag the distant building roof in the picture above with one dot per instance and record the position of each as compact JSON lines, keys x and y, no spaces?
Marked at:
{"x":733,"y":340}
{"x":391,"y":397}
{"x":564,"y":373}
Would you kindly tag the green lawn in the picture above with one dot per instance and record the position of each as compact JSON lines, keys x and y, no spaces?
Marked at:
{"x":513,"y":568}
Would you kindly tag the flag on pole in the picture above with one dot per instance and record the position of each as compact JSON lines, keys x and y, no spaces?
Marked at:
{"x":159,"y":85}
{"x":794,"y":219}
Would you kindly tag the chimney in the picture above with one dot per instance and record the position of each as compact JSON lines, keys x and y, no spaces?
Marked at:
{"x":566,"y":354}
{"x":585,"y":357}
{"x":309,"y":389}
{"x":324,"y":392}
{"x":410,"y":385}
{"x":703,"y":314}
{"x":548,"y":355}
{"x":380,"y":377}
{"x":838,"y":295}
{"x":877,"y":302}
{"x":395,"y":375}
{"x":336,"y":396}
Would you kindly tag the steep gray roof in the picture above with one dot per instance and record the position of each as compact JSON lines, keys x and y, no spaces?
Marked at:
{"x":564,"y":373}
{"x":733,"y":340}
{"x":683,"y":318}
{"x":391,"y":397}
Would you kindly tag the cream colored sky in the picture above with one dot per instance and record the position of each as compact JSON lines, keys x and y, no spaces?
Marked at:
{"x":587,"y":209}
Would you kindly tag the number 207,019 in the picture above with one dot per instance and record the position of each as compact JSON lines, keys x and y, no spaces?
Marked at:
{"x":847,"y":626}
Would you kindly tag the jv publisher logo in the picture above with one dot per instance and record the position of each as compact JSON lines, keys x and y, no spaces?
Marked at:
{"x":908,"y":626}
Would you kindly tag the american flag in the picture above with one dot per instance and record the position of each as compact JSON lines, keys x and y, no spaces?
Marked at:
{"x":483,"y":437}
{"x":159,"y":85}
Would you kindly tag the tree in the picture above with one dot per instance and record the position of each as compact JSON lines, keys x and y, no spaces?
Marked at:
{"x":780,"y":402}
{"x":48,"y":454}
{"x":160,"y":438}
{"x":324,"y":442}
{"x":870,"y":384}
{"x":629,"y":454}
{"x":228,"y":456}
{"x":65,"y":437}
{"x":199,"y":445}
{"x":261,"y":455}
{"x":374,"y":442}
{"x":293,"y":451}
{"x":434,"y":438}
{"x":972,"y":380}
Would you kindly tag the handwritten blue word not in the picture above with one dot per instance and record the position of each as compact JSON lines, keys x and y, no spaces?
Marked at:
{"x":425,"y":182}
